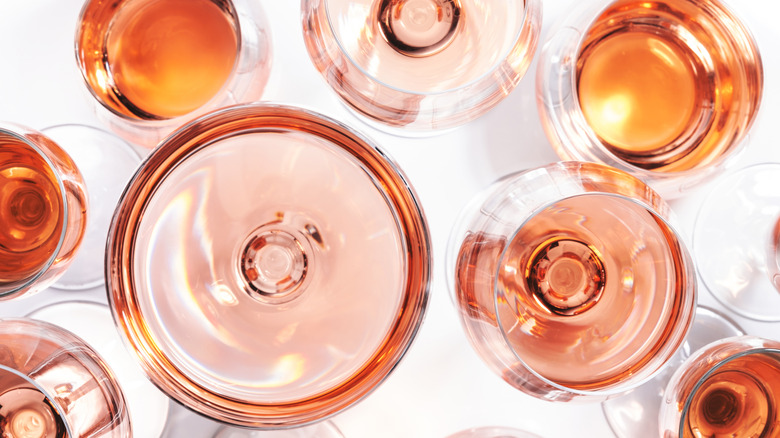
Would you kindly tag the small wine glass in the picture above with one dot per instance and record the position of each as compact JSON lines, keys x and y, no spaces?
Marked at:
{"x":728,"y":388}
{"x":665,"y":90}
{"x":268,"y":266}
{"x":147,"y":406}
{"x":493,"y":432}
{"x":412,"y":67}
{"x":736,"y":241}
{"x":635,"y":414}
{"x":571,"y":263}
{"x":152,"y":65}
{"x":43,"y":211}
{"x":52,"y":384}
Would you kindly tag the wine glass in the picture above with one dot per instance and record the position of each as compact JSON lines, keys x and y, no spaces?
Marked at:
{"x":413,"y":67}
{"x":147,"y":406}
{"x":735,"y":241}
{"x":665,"y":90}
{"x":728,"y":388}
{"x":635,"y":414}
{"x":52,"y":384}
{"x":493,"y":432}
{"x":43,"y":208}
{"x":571,"y":263}
{"x":268,"y":266}
{"x":152,"y":65}
{"x":324,"y":429}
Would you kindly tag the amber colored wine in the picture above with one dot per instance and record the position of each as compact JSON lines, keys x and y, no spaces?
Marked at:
{"x":739,"y":399}
{"x":31,"y":211}
{"x":164,"y":58}
{"x":593,"y":279}
{"x":657,"y":88}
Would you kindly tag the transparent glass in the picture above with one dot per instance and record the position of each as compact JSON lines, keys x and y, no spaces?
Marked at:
{"x":268,"y":265}
{"x":152,"y":65}
{"x":52,"y":384}
{"x":571,"y":263}
{"x":678,"y":108}
{"x":147,"y":406}
{"x":728,"y":388}
{"x":493,"y":432}
{"x":414,"y":67}
{"x":43,"y":209}
{"x":735,"y":241}
{"x":325,"y":429}
{"x":635,"y":414}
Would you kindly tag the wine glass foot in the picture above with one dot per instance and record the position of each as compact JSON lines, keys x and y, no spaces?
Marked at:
{"x":147,"y":406}
{"x":325,"y":429}
{"x":638,"y":410}
{"x":106,"y":163}
{"x":735,"y":241}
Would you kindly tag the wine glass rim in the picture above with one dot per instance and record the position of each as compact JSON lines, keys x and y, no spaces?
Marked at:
{"x":714,"y":368}
{"x":528,"y":7}
{"x":23,"y":134}
{"x":631,"y":382}
{"x":188,"y":387}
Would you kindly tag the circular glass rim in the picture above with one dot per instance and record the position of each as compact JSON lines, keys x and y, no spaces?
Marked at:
{"x":623,"y":386}
{"x":528,"y":7}
{"x":157,"y":120}
{"x":751,"y":350}
{"x":199,"y":134}
{"x":23,"y":134}
{"x":593,"y":11}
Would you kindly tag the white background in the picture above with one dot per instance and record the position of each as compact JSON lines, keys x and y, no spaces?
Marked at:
{"x":441,"y":386}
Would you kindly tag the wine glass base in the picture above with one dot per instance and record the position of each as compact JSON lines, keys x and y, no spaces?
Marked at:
{"x":106,"y":163}
{"x":148,"y":407}
{"x":324,"y":429}
{"x":635,"y":414}
{"x":734,"y":244}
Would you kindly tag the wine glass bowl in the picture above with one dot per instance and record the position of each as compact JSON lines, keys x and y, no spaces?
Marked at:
{"x":728,"y":388}
{"x":43,"y":211}
{"x":571,"y":263}
{"x":152,"y":65}
{"x":52,"y":384}
{"x":678,"y":107}
{"x":268,"y":266}
{"x":413,"y":67}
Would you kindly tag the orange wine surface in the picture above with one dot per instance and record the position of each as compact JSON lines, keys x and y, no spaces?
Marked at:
{"x":31,"y":211}
{"x":637,"y":91}
{"x":169,"y":57}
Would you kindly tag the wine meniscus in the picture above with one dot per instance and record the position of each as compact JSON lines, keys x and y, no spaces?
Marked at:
{"x":403,"y":63}
{"x":686,"y":91}
{"x":728,"y":388}
{"x":271,"y":258}
{"x":592,"y":276}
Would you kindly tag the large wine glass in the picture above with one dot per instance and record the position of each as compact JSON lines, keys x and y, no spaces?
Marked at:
{"x":414,"y":67}
{"x":152,"y":65}
{"x":268,"y":266}
{"x":52,"y":384}
{"x":43,"y":211}
{"x":572,"y":263}
{"x":728,"y":388}
{"x":736,"y":241}
{"x":666,"y":90}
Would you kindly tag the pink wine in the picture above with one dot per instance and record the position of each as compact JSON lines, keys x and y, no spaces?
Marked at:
{"x":739,"y":399}
{"x":276,"y":264}
{"x":31,"y":211}
{"x":160,"y":58}
{"x":596,"y":280}
{"x":658,"y":86}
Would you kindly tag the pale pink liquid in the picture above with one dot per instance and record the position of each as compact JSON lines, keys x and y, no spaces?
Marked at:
{"x":271,"y":268}
{"x":589,"y":290}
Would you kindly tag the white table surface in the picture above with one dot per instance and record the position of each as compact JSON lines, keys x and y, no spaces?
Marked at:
{"x":441,"y":386}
